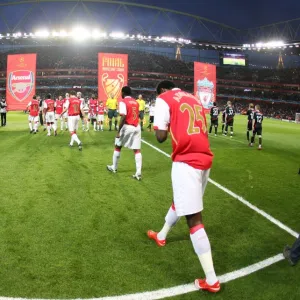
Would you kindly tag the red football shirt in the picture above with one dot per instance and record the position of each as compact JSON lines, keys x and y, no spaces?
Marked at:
{"x":34,"y":108}
{"x":59,"y":106}
{"x":93,"y":106}
{"x":74,"y":105}
{"x":101,"y":110}
{"x":129,"y":107}
{"x":183,"y":114}
{"x":49,"y":104}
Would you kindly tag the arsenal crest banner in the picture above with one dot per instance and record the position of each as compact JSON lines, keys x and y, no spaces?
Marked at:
{"x":112,"y":75}
{"x":205,"y":84}
{"x":20,"y":80}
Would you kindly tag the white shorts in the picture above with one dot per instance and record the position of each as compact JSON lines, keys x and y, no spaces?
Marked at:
{"x":130,"y":137}
{"x":33,"y":119}
{"x":92,"y":116}
{"x":65,"y":115}
{"x":100,"y":118}
{"x":58,"y":117}
{"x":73,"y":123}
{"x":50,"y":117}
{"x":188,"y":188}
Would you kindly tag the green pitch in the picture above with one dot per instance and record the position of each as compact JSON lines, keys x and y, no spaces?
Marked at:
{"x":70,"y":229}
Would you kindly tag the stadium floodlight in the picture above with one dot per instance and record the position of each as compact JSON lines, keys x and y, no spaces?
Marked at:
{"x":118,"y":35}
{"x":80,"y":33}
{"x":42,"y":33}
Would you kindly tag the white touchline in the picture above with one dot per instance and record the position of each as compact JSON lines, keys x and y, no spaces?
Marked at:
{"x":185,"y":288}
{"x":239,"y":198}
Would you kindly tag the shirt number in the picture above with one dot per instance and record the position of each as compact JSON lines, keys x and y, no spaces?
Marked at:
{"x":134,"y":114}
{"x":194,"y":116}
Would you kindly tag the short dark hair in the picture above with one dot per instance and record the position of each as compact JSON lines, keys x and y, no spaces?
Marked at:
{"x":73,"y":93}
{"x":126,"y":90}
{"x":49,"y":96}
{"x":34,"y":97}
{"x":215,"y":103}
{"x":166,"y":84}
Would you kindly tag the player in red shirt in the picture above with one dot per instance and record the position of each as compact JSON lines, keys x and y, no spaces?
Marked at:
{"x":65,"y":115}
{"x":182,"y":114}
{"x":58,"y":111}
{"x":100,"y":120}
{"x":33,"y":107}
{"x":49,"y":112}
{"x":93,"y":113}
{"x":74,"y":106}
{"x":129,"y":132}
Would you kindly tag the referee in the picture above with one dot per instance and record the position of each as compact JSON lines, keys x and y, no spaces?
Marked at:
{"x":142,"y":105}
{"x":112,"y":106}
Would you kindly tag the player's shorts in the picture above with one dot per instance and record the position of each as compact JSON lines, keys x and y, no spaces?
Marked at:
{"x":229,"y":123}
{"x":73,"y":123}
{"x":100,"y":118}
{"x":92,"y":116}
{"x":65,"y":115}
{"x":58,"y":117}
{"x":257,"y":130}
{"x":112,"y":113}
{"x":188,"y":188}
{"x":130,"y":137}
{"x":249,"y":126}
{"x":50,"y":117}
{"x":34,"y":119}
{"x":151,"y":119}
{"x":215,"y":122}
{"x":141,"y":114}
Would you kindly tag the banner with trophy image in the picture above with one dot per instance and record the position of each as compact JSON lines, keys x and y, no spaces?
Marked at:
{"x":112,"y":75}
{"x":205,"y":84}
{"x":20,"y":80}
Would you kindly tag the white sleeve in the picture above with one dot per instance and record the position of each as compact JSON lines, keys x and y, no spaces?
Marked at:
{"x":122,"y":109}
{"x":29,"y":104}
{"x":161,"y":115}
{"x":67,"y":103}
{"x":81,"y":105}
{"x":45,"y":104}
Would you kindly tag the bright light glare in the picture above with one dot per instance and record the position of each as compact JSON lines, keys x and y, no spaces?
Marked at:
{"x":117,"y":35}
{"x":42,"y":33}
{"x":271,"y":44}
{"x":80,"y":33}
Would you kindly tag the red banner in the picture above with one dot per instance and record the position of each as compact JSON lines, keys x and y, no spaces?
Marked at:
{"x":112,"y":75}
{"x":205,"y":84}
{"x":20,"y":80}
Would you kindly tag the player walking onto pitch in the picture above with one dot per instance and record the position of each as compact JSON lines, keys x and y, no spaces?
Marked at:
{"x":151,"y":115}
{"x":223,"y":119}
{"x":183,"y":114}
{"x":93,"y":113}
{"x":129,"y":133}
{"x":112,"y":105}
{"x":250,"y":114}
{"x":58,"y":111}
{"x":257,"y":128}
{"x":100,"y":116}
{"x":74,"y":106}
{"x":214,"y":118}
{"x":65,"y":115}
{"x":49,"y":112}
{"x":229,"y":118}
{"x":33,"y":107}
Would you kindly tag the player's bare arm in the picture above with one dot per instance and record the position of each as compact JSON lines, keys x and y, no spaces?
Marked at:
{"x":161,"y":135}
{"x":121,"y":124}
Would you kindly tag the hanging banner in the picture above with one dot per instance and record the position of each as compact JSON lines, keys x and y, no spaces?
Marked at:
{"x":20,"y":80}
{"x":112,"y":75}
{"x":205,"y":84}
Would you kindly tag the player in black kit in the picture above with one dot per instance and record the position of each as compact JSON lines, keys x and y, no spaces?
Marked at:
{"x":250,"y":114}
{"x":223,"y":119}
{"x":214,"y":118}
{"x":229,"y":118}
{"x":257,"y":128}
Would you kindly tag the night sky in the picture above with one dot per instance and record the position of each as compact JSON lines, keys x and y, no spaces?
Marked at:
{"x":240,"y":14}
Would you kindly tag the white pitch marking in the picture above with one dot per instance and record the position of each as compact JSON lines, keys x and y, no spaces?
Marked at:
{"x":186,"y":288}
{"x":241,"y":199}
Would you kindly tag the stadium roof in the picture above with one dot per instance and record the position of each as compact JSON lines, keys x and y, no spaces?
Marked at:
{"x":219,"y":21}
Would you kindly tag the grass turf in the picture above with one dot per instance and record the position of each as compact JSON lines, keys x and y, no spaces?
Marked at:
{"x":70,"y":229}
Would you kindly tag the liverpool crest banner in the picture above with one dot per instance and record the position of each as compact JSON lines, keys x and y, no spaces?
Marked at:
{"x":20,"y":80}
{"x":205,"y":84}
{"x":112,"y":75}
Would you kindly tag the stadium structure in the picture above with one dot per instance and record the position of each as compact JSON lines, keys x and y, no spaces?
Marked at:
{"x":67,"y":35}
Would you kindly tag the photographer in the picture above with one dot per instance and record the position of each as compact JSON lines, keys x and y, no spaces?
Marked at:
{"x":3,"y":106}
